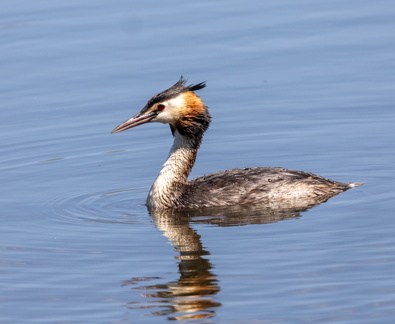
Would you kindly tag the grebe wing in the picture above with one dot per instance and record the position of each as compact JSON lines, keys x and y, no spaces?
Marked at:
{"x":262,"y":185}
{"x":264,"y":177}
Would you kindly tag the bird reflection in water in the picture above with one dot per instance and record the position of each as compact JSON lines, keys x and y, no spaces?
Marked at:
{"x":193,"y":295}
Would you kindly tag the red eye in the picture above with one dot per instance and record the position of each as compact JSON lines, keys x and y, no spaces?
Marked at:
{"x":160,"y":107}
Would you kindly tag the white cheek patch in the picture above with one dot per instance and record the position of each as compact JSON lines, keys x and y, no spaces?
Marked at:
{"x":164,"y":117}
{"x":171,"y":112}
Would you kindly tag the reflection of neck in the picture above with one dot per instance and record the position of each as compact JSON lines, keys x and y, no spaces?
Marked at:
{"x":170,"y":184}
{"x":193,"y":293}
{"x":179,"y":233}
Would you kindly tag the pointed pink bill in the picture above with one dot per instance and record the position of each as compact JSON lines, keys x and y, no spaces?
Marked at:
{"x":133,"y":122}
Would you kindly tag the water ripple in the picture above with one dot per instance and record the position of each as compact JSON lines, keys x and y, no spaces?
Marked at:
{"x":117,"y":206}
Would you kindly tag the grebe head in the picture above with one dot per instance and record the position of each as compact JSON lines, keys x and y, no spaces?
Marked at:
{"x":177,"y":106}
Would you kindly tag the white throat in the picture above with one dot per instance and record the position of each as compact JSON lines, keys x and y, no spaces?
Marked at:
{"x":172,"y":179}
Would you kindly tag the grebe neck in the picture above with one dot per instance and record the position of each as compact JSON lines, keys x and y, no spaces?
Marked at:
{"x":172,"y":179}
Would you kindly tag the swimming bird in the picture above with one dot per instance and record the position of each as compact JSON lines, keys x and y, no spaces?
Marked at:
{"x":188,"y":117}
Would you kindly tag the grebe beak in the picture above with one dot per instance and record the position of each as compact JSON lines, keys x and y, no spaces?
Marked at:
{"x":134,"y":121}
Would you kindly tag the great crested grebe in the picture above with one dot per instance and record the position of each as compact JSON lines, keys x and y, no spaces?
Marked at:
{"x":189,"y":118}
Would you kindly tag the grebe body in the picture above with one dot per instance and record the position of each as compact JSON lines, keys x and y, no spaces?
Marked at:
{"x":188,"y":117}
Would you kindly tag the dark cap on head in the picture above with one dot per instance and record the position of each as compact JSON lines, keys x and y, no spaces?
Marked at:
{"x":175,"y":90}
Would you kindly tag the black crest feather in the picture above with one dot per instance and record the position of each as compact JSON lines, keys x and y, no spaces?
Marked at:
{"x":180,"y":84}
{"x":176,"y":89}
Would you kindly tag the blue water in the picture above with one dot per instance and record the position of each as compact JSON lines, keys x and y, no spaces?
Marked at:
{"x":308,"y":86}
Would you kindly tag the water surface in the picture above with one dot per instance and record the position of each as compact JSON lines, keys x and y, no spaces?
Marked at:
{"x":308,"y":86}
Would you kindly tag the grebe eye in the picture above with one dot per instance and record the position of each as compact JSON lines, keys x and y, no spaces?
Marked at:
{"x":160,"y":107}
